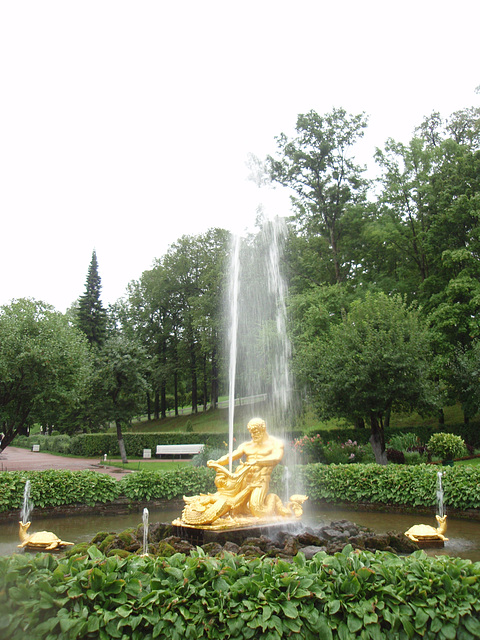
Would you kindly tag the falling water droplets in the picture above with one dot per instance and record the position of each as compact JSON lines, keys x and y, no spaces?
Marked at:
{"x":259,"y":349}
{"x":145,"y":531}
{"x":440,"y":507}
{"x":27,"y":504}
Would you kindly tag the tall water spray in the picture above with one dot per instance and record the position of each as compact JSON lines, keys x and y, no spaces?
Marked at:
{"x":145,"y":517}
{"x":27,"y":506}
{"x":259,"y":350}
{"x":281,"y":379}
{"x":233,"y":324}
{"x":440,"y":508}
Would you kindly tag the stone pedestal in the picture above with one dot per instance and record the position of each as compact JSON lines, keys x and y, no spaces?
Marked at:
{"x":201,"y":535}
{"x":431,"y":544}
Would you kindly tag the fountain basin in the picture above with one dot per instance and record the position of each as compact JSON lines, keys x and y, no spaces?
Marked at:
{"x":81,"y":525}
{"x":217,"y":533}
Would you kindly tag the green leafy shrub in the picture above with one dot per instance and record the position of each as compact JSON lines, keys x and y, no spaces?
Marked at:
{"x":149,"y":485}
{"x":414,"y":457}
{"x":446,"y":446}
{"x":312,"y":448}
{"x":348,"y":595}
{"x":56,"y":487}
{"x":469,"y":432}
{"x":412,"y":486}
{"x":403,"y":441}
{"x":208,"y":453}
{"x":344,"y":452}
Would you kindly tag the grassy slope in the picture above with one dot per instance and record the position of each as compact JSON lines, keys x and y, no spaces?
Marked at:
{"x":217,"y":421}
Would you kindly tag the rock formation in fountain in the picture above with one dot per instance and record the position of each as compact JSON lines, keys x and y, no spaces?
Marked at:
{"x":331,"y":538}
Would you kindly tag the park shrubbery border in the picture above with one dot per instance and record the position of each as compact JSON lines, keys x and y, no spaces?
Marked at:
{"x":469,"y":432}
{"x":92,"y":445}
{"x":402,"y":485}
{"x":352,"y":594}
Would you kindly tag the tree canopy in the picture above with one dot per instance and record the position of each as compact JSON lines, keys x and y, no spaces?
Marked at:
{"x":44,"y":365}
{"x":375,"y":360}
{"x":383,"y":284}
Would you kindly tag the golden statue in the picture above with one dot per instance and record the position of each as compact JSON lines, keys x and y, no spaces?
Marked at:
{"x":426,"y":533}
{"x":45,"y":540}
{"x":242,"y":495}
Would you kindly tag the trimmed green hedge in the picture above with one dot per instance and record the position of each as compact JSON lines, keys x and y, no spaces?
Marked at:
{"x":96,"y":445}
{"x":150,"y":485}
{"x":55,"y":488}
{"x":393,"y":484}
{"x":404,"y":485}
{"x":348,"y":595}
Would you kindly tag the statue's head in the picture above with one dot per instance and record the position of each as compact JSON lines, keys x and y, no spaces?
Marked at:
{"x":257,"y":429}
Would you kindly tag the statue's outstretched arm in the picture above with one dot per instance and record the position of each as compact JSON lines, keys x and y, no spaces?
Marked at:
{"x":238,"y":453}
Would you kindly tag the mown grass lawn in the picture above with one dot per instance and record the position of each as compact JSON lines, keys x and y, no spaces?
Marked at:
{"x":472,"y":461}
{"x":150,"y":465}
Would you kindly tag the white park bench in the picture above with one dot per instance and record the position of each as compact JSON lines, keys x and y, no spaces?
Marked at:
{"x":178,"y":449}
{"x":35,"y":447}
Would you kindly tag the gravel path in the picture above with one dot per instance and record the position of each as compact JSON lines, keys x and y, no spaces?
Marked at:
{"x":16,"y":459}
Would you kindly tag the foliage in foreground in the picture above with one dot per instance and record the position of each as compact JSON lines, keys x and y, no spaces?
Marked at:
{"x":348,"y":595}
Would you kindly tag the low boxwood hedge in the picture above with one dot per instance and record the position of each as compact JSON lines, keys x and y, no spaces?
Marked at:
{"x":347,"y":595}
{"x":403,"y":485}
{"x":56,"y":488}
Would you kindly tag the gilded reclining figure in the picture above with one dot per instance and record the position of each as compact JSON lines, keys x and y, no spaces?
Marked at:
{"x":244,"y":492}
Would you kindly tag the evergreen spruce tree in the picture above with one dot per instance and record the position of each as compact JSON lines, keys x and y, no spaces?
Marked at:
{"x":92,"y":317}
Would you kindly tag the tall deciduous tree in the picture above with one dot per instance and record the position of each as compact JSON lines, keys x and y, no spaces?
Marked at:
{"x":318,"y":167}
{"x":374,"y":361}
{"x":121,"y":378}
{"x":44,"y":364}
{"x":175,"y":308}
{"x":91,"y":316}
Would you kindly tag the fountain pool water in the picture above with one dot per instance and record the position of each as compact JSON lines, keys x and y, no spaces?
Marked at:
{"x":463,"y":535}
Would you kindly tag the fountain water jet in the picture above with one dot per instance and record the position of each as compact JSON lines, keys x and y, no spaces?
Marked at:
{"x":259,"y":354}
{"x":27,"y":503}
{"x":259,"y":349}
{"x":233,"y":289}
{"x":41,"y":540}
{"x":440,"y":494}
{"x":145,"y":517}
{"x":425,"y":535}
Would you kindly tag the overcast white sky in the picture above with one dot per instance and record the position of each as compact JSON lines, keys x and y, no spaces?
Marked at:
{"x":127,"y":124}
